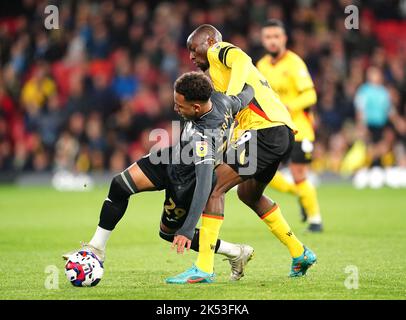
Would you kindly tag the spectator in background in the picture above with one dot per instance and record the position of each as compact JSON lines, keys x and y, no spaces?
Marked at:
{"x":330,"y":119}
{"x":37,"y":89}
{"x":169,"y":62}
{"x":136,"y":34}
{"x":50,"y":121}
{"x":103,"y":99}
{"x":7,"y":106}
{"x":66,"y":150}
{"x":76,"y":126}
{"x":18,"y":54}
{"x":146,"y":109}
{"x":398,"y":120}
{"x":145,"y":72}
{"x":117,"y":59}
{"x":6,"y":155}
{"x":78,"y":100}
{"x":99,"y":44}
{"x":363,"y":41}
{"x":125,"y":83}
{"x":94,"y":133}
{"x":11,"y":82}
{"x":119,"y":28}
{"x":96,"y":141}
{"x":165,"y":100}
{"x":373,"y":105}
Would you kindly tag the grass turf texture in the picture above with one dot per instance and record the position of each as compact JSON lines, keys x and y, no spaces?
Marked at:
{"x":364,"y":228}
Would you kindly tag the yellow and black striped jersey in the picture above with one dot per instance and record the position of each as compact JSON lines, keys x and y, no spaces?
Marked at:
{"x":230,"y":69}
{"x":291,"y":80}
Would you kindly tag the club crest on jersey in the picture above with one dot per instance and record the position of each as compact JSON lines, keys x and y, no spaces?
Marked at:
{"x":201,"y":148}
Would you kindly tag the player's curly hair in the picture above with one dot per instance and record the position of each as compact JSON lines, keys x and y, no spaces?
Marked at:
{"x":194,"y":86}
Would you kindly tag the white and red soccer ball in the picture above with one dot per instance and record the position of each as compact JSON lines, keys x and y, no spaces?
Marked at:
{"x":84,"y":269}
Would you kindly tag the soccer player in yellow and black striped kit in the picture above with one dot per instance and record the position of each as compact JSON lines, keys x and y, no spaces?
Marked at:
{"x":288,"y":76}
{"x":265,"y":120}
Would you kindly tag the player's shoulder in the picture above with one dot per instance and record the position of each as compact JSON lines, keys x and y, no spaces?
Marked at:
{"x":294,"y":58}
{"x":218,"y":98}
{"x":218,"y":49}
{"x":265,"y":60}
{"x":365,"y":87}
{"x":210,"y":120}
{"x":297,"y":66}
{"x":195,"y":129}
{"x":220,"y":45}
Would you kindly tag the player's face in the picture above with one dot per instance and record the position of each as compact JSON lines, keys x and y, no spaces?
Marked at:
{"x":274,"y":40}
{"x":198,"y":46}
{"x":186,"y":109}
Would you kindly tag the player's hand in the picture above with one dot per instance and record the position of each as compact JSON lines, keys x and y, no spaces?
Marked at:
{"x":181,"y":242}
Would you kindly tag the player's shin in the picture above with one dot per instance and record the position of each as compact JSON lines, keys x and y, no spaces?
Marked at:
{"x":275,"y":221}
{"x":308,"y":199}
{"x":209,"y":231}
{"x":113,"y":209}
{"x":227,"y":249}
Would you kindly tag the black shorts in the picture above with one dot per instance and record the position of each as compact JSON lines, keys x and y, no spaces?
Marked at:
{"x":179,"y":183}
{"x":258,"y":153}
{"x":376,"y":133}
{"x":302,"y":152}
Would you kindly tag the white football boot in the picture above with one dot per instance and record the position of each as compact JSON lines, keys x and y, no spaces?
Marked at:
{"x":239,"y":262}
{"x":100,"y":254}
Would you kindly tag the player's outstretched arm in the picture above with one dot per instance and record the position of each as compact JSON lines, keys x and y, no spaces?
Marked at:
{"x":241,"y":100}
{"x":204,"y":178}
{"x":304,"y":100}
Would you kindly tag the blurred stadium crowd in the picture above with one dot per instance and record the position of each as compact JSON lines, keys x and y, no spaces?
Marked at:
{"x":85,"y":96}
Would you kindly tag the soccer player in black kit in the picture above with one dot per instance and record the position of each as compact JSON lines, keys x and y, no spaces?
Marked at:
{"x":186,"y":172}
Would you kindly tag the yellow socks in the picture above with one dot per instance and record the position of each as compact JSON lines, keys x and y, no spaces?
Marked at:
{"x":280,"y":183}
{"x":280,"y":228}
{"x":208,"y":234}
{"x":308,"y":198}
{"x":304,"y":190}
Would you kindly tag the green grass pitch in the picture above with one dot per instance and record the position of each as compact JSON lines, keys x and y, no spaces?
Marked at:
{"x":364,"y":228}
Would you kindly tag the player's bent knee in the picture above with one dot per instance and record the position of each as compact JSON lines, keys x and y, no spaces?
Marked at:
{"x":166,"y":233}
{"x":166,"y":236}
{"x":246,"y":197}
{"x":121,"y":187}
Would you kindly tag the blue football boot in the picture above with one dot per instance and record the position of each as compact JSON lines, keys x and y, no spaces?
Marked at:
{"x":192,"y":275}
{"x":301,"y":264}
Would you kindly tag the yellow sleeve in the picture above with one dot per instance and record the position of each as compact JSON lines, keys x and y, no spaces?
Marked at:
{"x":304,"y":84}
{"x":232,"y":58}
{"x":304,"y":100}
{"x":240,"y":64}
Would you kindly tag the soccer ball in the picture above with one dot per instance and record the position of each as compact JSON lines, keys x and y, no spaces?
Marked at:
{"x":84,"y":269}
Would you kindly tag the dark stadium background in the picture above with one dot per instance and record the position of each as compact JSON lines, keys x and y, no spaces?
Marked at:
{"x":110,"y":67}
